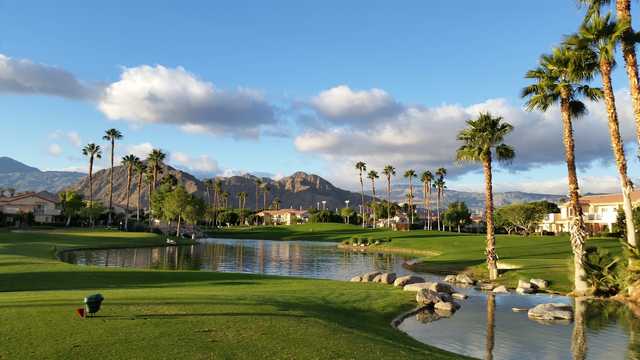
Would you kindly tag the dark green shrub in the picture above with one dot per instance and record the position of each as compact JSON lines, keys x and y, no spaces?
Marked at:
{"x":605,"y":273}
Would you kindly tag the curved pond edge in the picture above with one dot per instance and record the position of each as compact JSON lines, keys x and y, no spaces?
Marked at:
{"x":58,"y":253}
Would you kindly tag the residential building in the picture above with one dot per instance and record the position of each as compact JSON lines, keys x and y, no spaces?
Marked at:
{"x":283,"y":216}
{"x":600,"y":213}
{"x":43,"y":205}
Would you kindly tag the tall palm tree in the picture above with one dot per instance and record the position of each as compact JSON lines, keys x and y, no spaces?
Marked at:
{"x":258,"y":187}
{"x":242,"y":199}
{"x":599,"y":37}
{"x":208,"y":186}
{"x":265,"y":194}
{"x":559,"y":79}
{"x":140,"y":169}
{"x":148,"y":180}
{"x":410,"y":174}
{"x":129,"y":162}
{"x":480,"y":139}
{"x":389,"y":171}
{"x":217,"y":194}
{"x":111,"y":135}
{"x":628,"y":40}
{"x":440,"y":186}
{"x":373,"y":175}
{"x":225,"y":199}
{"x":92,"y":151}
{"x":155,"y":162}
{"x":427,"y":178}
{"x":361,"y":167}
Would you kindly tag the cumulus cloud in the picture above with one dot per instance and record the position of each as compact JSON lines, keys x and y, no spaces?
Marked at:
{"x":201,"y":165}
{"x":342,"y":103}
{"x":54,"y":150}
{"x":157,"y":94}
{"x":422,"y":137}
{"x":140,"y":150}
{"x":588,"y":184}
{"x":21,"y":76}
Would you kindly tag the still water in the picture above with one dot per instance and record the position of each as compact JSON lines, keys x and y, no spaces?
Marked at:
{"x":485,"y":327}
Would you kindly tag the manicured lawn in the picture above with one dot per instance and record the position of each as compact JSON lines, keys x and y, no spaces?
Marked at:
{"x":547,"y":257}
{"x":186,"y":314}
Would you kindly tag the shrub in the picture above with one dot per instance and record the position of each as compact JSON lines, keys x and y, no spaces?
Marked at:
{"x":605,"y":273}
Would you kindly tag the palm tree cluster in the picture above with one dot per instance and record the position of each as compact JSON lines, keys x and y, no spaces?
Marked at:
{"x":428,"y":180}
{"x":565,"y":77}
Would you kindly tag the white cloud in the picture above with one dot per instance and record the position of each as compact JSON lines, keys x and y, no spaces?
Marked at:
{"x":54,"y":150}
{"x":202,"y":165}
{"x":140,"y":150}
{"x":422,"y":137}
{"x":157,"y":94}
{"x":558,"y":186}
{"x":21,"y":76}
{"x":341,"y":102}
{"x":74,"y":138}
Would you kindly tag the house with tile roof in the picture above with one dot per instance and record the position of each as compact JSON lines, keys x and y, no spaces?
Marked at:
{"x":43,"y":206}
{"x":600,"y":213}
{"x":283,"y":216}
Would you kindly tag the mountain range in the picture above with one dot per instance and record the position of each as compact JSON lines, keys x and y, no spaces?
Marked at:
{"x":300,"y":190}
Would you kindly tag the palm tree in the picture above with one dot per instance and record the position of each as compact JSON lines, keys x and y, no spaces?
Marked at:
{"x":242,"y":198}
{"x":265,"y":194}
{"x":129,"y":162}
{"x":599,"y":37}
{"x":155,"y":162}
{"x":427,"y":178}
{"x":410,"y":174}
{"x":389,"y":171}
{"x":480,"y":139}
{"x":225,"y":199}
{"x":258,"y":186}
{"x":361,"y":167}
{"x":558,"y":79}
{"x":628,"y":40}
{"x":111,"y":135}
{"x":92,"y":151}
{"x":141,"y":169}
{"x":373,"y":175}
{"x":439,"y":185}
{"x":208,"y":186}
{"x":217,"y":194}
{"x":148,"y":180}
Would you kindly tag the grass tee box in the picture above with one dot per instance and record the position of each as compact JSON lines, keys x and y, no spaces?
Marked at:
{"x":186,"y":314}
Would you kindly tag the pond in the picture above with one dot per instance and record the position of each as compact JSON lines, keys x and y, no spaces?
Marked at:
{"x":485,"y":326}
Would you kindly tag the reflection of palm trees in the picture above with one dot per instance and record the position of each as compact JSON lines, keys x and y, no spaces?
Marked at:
{"x":578,"y":337}
{"x":491,"y":325}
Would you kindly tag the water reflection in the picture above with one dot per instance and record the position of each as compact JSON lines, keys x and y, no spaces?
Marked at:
{"x":491,"y":325}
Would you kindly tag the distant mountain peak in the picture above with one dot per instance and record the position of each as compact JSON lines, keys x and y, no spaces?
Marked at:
{"x":9,"y":165}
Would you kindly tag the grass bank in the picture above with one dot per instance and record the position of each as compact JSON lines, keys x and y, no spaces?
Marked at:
{"x":185,"y":314}
{"x":546,"y":257}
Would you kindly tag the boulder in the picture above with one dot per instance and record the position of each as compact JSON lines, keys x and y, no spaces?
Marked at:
{"x":464,"y":279}
{"x":356,"y":279}
{"x":487,"y":286}
{"x":450,"y":279}
{"x":524,"y":284}
{"x":428,"y":297}
{"x":500,"y":290}
{"x":368,"y":277}
{"x":406,"y":280}
{"x":442,"y":287}
{"x":385,"y":278}
{"x":539,"y":283}
{"x":417,"y":286}
{"x":551,"y":311}
{"x":446,"y":306}
{"x":459,"y":296}
{"x":523,"y":291}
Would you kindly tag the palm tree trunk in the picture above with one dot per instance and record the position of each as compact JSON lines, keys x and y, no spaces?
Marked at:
{"x":111,"y":182}
{"x":576,"y":227}
{"x":424,"y":202}
{"x":178,"y":226}
{"x":389,"y":201}
{"x":429,"y":205}
{"x":139,"y":196}
{"x":618,"y":150}
{"x":126,"y":214}
{"x":438,"y":206}
{"x":362,"y":195}
{"x":373,"y":208}
{"x":492,"y":257}
{"x":411,"y":199}
{"x":578,"y":336}
{"x":91,"y":190}
{"x":623,"y":12}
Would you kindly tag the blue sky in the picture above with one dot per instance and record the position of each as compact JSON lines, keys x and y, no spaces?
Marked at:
{"x":315,"y":85}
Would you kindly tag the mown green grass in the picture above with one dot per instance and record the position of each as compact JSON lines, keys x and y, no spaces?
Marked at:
{"x":155,"y":314}
{"x":546,"y":257}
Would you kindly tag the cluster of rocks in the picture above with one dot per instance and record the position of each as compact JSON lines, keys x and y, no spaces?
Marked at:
{"x":460,"y":279}
{"x":376,"y":277}
{"x":531,"y":286}
{"x":550,"y":312}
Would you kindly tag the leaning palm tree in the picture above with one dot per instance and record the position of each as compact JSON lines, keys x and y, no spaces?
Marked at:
{"x":129,"y":162}
{"x":389,"y":171}
{"x":141,"y":169}
{"x":111,"y":135}
{"x":427,"y":178}
{"x":599,"y":37}
{"x":361,"y":167}
{"x":410,"y":174}
{"x":559,"y":79}
{"x":373,"y":175}
{"x":92,"y":151}
{"x":628,"y":40}
{"x":482,"y":138}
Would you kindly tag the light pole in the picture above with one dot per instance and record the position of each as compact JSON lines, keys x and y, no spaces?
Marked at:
{"x":324,"y":203}
{"x":346,"y":203}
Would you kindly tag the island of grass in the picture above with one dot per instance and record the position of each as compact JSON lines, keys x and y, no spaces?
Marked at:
{"x":187,"y":314}
{"x":521,"y":257}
